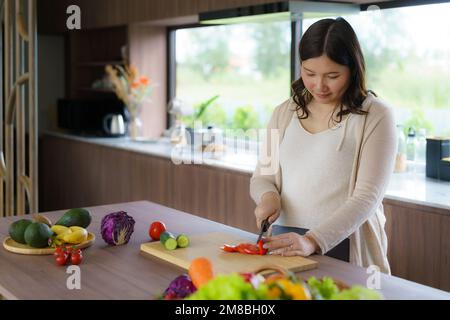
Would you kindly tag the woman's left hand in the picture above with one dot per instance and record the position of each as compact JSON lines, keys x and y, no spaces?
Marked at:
{"x":291,"y":244}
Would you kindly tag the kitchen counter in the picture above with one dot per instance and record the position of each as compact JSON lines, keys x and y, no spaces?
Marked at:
{"x":407,"y":187}
{"x":123,"y":272}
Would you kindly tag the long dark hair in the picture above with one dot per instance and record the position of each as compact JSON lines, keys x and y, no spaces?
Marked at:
{"x":337,"y":40}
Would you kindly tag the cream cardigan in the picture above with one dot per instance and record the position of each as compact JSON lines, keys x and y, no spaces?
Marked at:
{"x":361,"y":217}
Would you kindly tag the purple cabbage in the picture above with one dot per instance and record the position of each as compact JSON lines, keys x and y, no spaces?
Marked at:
{"x":117,"y":227}
{"x":179,"y":288}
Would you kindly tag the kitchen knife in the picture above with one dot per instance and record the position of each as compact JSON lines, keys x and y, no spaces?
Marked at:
{"x":264,"y":227}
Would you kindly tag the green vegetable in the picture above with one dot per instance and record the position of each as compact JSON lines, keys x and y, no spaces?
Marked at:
{"x":37,"y":235}
{"x":327,"y":290}
{"x":75,"y":217}
{"x":17,"y":230}
{"x":322,"y":290}
{"x":168,"y":240}
{"x":182,"y":240}
{"x":229,"y":287}
{"x":357,"y":293}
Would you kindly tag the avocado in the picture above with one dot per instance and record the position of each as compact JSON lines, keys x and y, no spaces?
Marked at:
{"x":17,"y":230}
{"x":75,"y":217}
{"x":37,"y":235}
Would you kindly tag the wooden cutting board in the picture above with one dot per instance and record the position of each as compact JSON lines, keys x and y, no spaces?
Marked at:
{"x":208,"y":246}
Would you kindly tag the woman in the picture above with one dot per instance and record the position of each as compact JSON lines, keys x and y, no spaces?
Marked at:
{"x":331,"y":150}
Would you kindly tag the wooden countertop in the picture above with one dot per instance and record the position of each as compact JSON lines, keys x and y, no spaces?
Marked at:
{"x":124,"y":273}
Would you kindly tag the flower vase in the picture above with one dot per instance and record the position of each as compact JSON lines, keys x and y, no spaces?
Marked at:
{"x":135,"y":127}
{"x":133,"y":115}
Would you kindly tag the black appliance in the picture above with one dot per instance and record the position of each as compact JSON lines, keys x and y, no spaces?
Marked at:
{"x":438,"y":158}
{"x":85,"y":116}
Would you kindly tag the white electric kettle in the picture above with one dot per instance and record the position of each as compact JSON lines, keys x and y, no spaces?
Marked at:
{"x":114,"y":125}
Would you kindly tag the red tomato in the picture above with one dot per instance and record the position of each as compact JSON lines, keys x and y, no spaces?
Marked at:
{"x":69,"y":249}
{"x":76,"y":251}
{"x":76,"y":258}
{"x":156,"y":228}
{"x":61,"y":259}
{"x":59,"y":251}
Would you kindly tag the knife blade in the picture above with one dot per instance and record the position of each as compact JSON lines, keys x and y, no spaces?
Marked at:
{"x":264,"y":227}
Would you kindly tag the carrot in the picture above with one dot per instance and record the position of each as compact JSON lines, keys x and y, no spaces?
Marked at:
{"x":200,"y":271}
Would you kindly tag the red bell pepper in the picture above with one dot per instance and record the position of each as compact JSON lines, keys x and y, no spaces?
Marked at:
{"x":246,"y":248}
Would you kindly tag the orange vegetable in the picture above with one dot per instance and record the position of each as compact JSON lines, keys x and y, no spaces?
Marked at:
{"x":200,"y":271}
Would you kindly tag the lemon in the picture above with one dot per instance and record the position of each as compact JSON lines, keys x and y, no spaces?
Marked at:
{"x":75,"y":237}
{"x":59,"y":229}
{"x":75,"y":228}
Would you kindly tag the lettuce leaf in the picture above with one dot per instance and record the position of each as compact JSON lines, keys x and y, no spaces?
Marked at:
{"x":229,"y":287}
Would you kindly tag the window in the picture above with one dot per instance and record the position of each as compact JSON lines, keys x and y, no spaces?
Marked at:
{"x":246,"y":65}
{"x":407,"y":52}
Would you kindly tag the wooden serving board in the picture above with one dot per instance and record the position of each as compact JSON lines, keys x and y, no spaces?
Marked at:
{"x":13,"y":246}
{"x":208,"y":246}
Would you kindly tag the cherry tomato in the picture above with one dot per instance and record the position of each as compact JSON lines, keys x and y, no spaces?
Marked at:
{"x":76,"y":251}
{"x":156,"y":228}
{"x":61,"y":259}
{"x":76,"y":258}
{"x":58,"y":250}
{"x":69,"y":249}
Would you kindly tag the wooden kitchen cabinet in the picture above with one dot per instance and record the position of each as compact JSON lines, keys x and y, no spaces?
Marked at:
{"x":77,"y":174}
{"x":419,"y":243}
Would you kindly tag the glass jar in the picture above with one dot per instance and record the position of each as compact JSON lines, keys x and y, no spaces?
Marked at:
{"x":421,"y":151}
{"x":400,"y":159}
{"x":411,"y":150}
{"x":178,"y":134}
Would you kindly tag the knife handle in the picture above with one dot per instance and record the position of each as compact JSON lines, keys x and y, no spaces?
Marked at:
{"x":265,"y":225}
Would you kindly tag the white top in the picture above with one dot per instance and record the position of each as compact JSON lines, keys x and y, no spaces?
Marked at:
{"x":319,"y":168}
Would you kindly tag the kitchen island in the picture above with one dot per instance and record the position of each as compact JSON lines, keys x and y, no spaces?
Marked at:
{"x":80,"y":171}
{"x":123,"y":272}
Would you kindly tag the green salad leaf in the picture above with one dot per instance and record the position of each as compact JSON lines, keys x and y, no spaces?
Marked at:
{"x":357,"y":293}
{"x":229,"y":287}
{"x":322,"y":290}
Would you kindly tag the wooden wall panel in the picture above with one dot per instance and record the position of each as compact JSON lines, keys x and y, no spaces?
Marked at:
{"x":199,"y":190}
{"x":240,"y":207}
{"x":147,"y":45}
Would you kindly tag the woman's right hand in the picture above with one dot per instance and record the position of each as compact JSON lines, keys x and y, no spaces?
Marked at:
{"x":269,"y":207}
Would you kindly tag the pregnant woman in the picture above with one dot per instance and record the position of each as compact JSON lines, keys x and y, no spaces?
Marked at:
{"x":327,"y":156}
